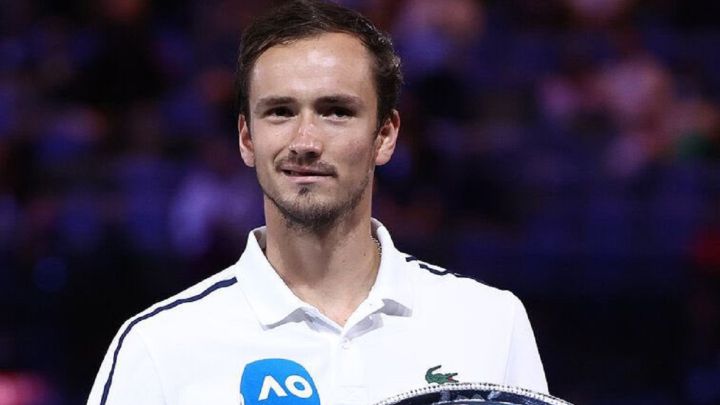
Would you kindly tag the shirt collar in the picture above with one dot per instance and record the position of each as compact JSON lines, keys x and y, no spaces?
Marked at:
{"x":268,"y":295}
{"x":274,"y":303}
{"x":392,"y":283}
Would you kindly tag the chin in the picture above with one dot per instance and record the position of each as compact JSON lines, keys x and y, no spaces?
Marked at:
{"x":315,"y":208}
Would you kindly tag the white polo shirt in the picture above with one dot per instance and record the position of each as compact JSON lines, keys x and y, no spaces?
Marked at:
{"x":242,"y":335}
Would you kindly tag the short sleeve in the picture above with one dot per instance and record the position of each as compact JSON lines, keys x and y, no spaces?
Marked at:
{"x":524,"y":367}
{"x":127,"y":374}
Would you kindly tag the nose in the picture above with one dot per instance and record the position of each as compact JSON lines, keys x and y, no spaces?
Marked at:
{"x":306,"y":142}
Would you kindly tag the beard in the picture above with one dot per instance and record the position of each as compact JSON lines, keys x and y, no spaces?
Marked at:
{"x":304,"y":211}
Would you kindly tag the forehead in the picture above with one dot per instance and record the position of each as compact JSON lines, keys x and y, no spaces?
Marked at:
{"x":329,"y":62}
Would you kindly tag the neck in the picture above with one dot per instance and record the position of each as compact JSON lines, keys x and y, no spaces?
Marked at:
{"x":332,"y":269}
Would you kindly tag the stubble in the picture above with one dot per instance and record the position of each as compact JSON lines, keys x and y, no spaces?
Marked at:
{"x":305,"y":212}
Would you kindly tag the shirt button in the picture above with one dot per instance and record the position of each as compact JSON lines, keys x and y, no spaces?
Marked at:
{"x":345,"y":343}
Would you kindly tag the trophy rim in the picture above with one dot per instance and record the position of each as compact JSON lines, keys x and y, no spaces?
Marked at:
{"x":463,"y":386}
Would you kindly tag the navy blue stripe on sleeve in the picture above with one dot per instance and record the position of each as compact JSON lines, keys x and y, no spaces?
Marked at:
{"x":214,"y":287}
{"x":438,"y":270}
{"x":423,"y":265}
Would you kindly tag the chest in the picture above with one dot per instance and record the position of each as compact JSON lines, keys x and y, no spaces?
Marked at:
{"x":302,"y":362}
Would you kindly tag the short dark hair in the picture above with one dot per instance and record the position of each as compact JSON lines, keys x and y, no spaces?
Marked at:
{"x":299,"y":19}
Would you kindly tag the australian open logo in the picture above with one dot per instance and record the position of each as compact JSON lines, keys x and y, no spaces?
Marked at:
{"x":277,"y":382}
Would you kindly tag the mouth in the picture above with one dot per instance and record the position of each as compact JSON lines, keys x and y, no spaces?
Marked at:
{"x":304,"y":173}
{"x":301,"y":174}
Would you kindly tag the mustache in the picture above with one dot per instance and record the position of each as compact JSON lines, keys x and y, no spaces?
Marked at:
{"x":294,"y":163}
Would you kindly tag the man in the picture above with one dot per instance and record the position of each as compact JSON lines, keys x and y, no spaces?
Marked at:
{"x":321,"y":307}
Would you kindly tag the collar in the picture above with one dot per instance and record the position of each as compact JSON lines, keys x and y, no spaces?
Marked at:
{"x":274,"y":303}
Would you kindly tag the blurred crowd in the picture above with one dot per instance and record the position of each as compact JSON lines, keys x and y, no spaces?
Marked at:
{"x":568,"y":150}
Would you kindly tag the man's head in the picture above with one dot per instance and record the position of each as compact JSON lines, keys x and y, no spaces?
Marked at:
{"x":300,"y":19}
{"x":311,"y":122}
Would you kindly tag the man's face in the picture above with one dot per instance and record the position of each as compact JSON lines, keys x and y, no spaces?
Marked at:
{"x":312,"y":133}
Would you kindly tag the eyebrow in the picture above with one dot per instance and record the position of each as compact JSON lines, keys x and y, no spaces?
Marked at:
{"x":345,"y":99}
{"x":271,"y":101}
{"x":341,"y":99}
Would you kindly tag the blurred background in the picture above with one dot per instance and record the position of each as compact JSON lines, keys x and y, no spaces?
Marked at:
{"x":567,"y":150}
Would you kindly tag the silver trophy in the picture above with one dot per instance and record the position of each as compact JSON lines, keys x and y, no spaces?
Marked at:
{"x":472,"y":394}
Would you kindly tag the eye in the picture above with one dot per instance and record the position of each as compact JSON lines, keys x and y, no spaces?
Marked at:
{"x":338,"y":112}
{"x":283,"y":112}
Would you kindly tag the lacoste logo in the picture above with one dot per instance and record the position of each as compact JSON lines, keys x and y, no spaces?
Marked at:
{"x":439,"y":378}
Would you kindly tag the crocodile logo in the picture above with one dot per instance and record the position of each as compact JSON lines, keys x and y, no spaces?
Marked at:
{"x":439,"y":378}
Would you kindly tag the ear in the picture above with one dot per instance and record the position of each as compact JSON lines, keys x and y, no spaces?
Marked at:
{"x":387,"y":138}
{"x":247,"y":149}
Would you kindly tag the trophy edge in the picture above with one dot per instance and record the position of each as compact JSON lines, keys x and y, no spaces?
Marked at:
{"x":431,"y":389}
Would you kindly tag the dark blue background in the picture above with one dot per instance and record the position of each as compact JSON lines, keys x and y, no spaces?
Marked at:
{"x":572,"y":156}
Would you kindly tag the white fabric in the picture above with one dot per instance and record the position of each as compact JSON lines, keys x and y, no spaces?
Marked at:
{"x":192,"y":348}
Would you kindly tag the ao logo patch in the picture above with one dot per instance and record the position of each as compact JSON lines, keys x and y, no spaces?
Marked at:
{"x":277,"y":382}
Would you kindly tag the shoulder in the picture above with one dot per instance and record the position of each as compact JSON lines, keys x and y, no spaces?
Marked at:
{"x":440,"y":283}
{"x":445,"y":301}
{"x":206,"y":291}
{"x":160,"y":335}
{"x":211,"y":297}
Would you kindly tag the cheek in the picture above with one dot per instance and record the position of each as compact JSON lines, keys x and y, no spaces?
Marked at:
{"x":267,"y":146}
{"x":359,"y":154}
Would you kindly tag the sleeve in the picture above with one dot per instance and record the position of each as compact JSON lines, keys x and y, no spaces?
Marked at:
{"x":128,"y":374}
{"x":524,"y":368}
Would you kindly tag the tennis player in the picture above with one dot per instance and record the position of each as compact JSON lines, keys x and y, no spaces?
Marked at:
{"x":321,"y":307}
